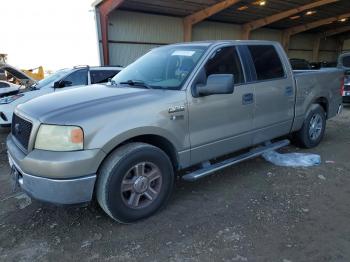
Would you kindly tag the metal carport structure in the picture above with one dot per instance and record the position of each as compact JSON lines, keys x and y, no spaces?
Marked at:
{"x":313,"y":30}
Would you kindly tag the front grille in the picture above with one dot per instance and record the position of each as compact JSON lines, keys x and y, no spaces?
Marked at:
{"x":21,"y":130}
{"x":347,"y":88}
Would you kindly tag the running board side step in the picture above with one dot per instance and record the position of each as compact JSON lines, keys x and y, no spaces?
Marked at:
{"x":209,"y":169}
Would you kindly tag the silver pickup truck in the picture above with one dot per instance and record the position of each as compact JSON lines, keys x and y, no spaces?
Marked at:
{"x":181,"y":107}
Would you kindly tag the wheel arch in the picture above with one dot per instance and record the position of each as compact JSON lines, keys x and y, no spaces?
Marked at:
{"x":153,"y":139}
{"x":323,"y":102}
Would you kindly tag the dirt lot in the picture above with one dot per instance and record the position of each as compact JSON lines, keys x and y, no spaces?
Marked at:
{"x":251,"y":212}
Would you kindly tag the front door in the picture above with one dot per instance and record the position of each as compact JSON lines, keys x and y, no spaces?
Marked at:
{"x":220,"y":124}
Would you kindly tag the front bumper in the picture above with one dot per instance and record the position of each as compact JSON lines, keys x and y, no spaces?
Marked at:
{"x":55,"y":177}
{"x":63,"y":191}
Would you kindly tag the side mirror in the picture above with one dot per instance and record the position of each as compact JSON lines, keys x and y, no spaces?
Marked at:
{"x":216,"y":84}
{"x":56,"y":84}
{"x":62,"y":83}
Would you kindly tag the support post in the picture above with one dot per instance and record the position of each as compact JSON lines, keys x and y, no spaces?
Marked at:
{"x":105,"y":8}
{"x":285,"y":41}
{"x":316,"y":49}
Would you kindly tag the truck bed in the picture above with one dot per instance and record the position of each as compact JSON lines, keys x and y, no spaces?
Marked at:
{"x":323,"y":84}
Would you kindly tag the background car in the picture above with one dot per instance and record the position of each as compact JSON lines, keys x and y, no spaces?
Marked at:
{"x":7,"y":88}
{"x":299,"y":64}
{"x":61,"y":80}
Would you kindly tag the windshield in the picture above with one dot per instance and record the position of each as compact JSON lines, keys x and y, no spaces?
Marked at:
{"x":164,"y":68}
{"x":49,"y":80}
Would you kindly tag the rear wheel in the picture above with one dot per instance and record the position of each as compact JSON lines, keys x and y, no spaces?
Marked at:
{"x":134,"y":182}
{"x":312,"y":131}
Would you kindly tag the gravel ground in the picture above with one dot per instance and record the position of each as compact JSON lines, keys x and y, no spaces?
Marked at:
{"x":251,"y":212}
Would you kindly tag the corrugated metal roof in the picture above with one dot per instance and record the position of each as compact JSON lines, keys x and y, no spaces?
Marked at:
{"x":182,"y":8}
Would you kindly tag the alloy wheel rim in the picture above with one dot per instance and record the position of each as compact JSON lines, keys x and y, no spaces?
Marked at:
{"x":316,"y":125}
{"x":141,"y":185}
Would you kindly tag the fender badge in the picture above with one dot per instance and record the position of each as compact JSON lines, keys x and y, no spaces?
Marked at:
{"x":175,"y":109}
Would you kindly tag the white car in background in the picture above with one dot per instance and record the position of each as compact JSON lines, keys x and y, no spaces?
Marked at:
{"x":61,"y":80}
{"x":7,"y":88}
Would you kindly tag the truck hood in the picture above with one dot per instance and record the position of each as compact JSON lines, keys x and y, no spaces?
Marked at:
{"x":71,"y":106}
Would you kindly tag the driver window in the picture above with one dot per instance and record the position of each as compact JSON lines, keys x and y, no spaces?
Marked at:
{"x":225,"y":61}
{"x":78,"y":77}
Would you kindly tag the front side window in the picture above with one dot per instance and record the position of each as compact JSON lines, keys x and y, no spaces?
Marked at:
{"x":78,"y":77}
{"x":267,"y":62}
{"x":102,"y":76}
{"x":50,"y":79}
{"x":163,"y":68}
{"x":225,"y":61}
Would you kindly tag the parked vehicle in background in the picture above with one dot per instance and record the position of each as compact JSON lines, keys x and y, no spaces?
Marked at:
{"x":299,"y":64}
{"x":179,"y":107}
{"x":12,"y":80}
{"x":323,"y":64}
{"x":61,"y":80}
{"x":344,"y":62}
{"x":13,"y":75}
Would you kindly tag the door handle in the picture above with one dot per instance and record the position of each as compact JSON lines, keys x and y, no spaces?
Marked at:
{"x":248,"y":99}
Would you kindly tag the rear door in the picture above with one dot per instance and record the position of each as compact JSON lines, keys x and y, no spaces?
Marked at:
{"x":220,"y":124}
{"x":273,"y":92}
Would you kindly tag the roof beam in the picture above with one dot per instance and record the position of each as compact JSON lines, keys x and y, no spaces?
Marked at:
{"x":302,"y":28}
{"x":201,"y":15}
{"x":312,"y":25}
{"x":250,"y":26}
{"x":336,"y":31}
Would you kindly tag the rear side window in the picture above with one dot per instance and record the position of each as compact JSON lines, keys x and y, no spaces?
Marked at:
{"x":225,"y":61}
{"x":267,"y":63}
{"x":102,"y":76}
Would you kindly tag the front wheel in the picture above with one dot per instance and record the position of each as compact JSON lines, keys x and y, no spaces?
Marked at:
{"x":314,"y":126}
{"x":134,"y":182}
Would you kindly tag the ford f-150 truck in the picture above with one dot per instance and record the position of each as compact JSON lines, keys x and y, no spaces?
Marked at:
{"x":184,"y":107}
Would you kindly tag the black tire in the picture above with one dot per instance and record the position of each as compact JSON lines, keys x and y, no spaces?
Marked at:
{"x":123,"y":162}
{"x":303,"y":136}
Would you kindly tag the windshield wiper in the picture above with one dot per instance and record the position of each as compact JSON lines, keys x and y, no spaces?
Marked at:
{"x":136,"y":83}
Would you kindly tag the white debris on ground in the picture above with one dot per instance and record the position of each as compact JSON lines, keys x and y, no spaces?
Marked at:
{"x":292,"y":159}
{"x":322,"y":177}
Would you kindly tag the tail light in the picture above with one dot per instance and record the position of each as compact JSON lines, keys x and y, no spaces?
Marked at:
{"x":342,"y":86}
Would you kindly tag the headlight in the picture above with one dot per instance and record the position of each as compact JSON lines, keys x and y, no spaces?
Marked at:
{"x":9,"y":99}
{"x":59,"y":138}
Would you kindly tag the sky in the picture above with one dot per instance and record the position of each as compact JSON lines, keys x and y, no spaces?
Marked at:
{"x":52,"y":33}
